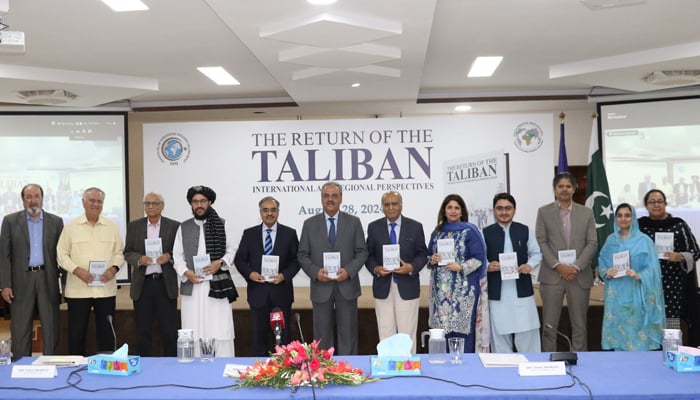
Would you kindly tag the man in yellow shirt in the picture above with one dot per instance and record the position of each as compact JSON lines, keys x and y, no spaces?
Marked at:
{"x":91,"y":250}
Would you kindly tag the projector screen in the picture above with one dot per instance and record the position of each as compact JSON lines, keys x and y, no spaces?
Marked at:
{"x":65,"y":153}
{"x":654,"y":144}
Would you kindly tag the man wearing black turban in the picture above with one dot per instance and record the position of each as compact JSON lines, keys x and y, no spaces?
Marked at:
{"x":203,"y":254}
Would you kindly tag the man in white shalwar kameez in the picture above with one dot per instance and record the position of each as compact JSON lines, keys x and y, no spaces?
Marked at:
{"x":206,"y":288}
{"x":514,"y":318}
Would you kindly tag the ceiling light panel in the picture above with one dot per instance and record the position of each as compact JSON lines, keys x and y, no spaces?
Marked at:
{"x":219,"y":75}
{"x":126,"y":5}
{"x":484,"y":66}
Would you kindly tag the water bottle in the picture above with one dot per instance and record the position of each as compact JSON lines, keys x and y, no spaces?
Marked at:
{"x":672,"y":339}
{"x":185,"y":345}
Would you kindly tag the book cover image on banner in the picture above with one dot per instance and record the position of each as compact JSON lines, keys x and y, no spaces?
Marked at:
{"x":477,"y":179}
{"x":244,"y":161}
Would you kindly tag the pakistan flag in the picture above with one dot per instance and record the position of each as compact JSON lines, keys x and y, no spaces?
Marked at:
{"x":598,"y":192}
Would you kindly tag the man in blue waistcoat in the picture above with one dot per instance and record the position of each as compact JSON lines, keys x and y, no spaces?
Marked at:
{"x":514,"y":318}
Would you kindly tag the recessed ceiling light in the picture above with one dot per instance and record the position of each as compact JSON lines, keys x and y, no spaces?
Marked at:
{"x":484,"y":66}
{"x":126,"y":5}
{"x":356,"y":84}
{"x":218,"y":75}
{"x":321,"y":2}
{"x":463,"y":108}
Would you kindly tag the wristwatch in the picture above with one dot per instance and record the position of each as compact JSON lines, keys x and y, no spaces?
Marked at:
{"x":116,"y":267}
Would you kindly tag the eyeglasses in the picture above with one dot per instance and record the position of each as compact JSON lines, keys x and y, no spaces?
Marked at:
{"x":200,"y":201}
{"x":148,"y":204}
{"x":504,"y":208}
{"x":655,"y":202}
{"x":269,"y":210}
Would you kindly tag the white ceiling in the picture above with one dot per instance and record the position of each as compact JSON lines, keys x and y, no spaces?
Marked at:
{"x":292,"y":56}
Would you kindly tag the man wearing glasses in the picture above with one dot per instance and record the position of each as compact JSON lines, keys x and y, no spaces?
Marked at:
{"x":267,"y":259}
{"x":396,"y":288}
{"x":203,"y":255}
{"x":149,"y":252}
{"x":514,"y":319}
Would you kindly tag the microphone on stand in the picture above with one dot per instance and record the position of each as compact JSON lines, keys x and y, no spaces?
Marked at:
{"x":277,"y":324}
{"x":570,"y":357}
{"x":114,"y":335}
{"x":297,"y":316}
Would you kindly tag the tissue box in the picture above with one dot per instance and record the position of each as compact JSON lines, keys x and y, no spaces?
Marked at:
{"x":395,"y":366}
{"x":107,"y":364}
{"x":681,"y":361}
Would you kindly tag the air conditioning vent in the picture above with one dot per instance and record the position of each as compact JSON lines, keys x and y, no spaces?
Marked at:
{"x":673,"y":77}
{"x":49,"y":97}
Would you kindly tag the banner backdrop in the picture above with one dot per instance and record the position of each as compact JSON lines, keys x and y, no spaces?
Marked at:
{"x":422,"y":158}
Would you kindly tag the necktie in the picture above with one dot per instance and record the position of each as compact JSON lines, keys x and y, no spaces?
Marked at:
{"x":392,"y":239}
{"x":566,"y":219}
{"x":268,"y":242}
{"x":331,"y":232}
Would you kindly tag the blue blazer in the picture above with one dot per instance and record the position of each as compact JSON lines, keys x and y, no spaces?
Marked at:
{"x":413,"y":251}
{"x":248,"y":259}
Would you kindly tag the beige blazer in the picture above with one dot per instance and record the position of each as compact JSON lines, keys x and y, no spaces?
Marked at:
{"x":550,"y":236}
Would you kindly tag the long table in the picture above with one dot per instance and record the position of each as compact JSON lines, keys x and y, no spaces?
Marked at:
{"x":610,"y":375}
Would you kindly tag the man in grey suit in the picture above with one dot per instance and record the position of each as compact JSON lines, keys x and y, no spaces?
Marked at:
{"x":335,"y":285}
{"x":396,"y":291}
{"x":153,"y":278}
{"x":566,"y":234}
{"x":29,"y":272}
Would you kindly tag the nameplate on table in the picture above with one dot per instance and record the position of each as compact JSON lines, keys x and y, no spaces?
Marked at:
{"x":491,"y":360}
{"x":234,"y":370}
{"x":34,"y":371}
{"x":60,"y":361}
{"x":542,"y":368}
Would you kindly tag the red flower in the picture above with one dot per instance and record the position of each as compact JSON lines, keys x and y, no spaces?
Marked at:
{"x":314,"y":364}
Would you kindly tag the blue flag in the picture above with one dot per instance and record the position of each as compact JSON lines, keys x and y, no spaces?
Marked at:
{"x":563,"y":165}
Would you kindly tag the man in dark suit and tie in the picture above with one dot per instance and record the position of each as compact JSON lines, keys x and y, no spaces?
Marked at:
{"x":567,"y":237}
{"x":270,"y":288}
{"x":335,"y":286}
{"x":153,"y":278}
{"x":396,"y":291}
{"x":29,"y":272}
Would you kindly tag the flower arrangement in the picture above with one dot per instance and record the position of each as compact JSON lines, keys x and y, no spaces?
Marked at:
{"x":300,"y":364}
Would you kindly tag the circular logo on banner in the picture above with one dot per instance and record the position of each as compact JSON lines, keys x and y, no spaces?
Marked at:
{"x":528,"y":136}
{"x":173,"y":148}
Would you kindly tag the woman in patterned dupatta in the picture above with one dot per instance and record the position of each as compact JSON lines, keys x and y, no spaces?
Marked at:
{"x":458,"y":301}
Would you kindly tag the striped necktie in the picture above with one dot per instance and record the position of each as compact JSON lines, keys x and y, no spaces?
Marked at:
{"x":268,"y":242}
